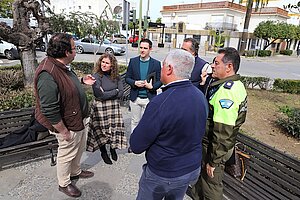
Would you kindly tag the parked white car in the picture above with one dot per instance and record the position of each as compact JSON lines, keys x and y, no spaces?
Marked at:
{"x":8,"y":50}
{"x":90,"y":45}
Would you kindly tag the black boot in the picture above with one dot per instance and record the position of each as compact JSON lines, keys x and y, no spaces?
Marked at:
{"x":105,"y":156}
{"x":114,"y":154}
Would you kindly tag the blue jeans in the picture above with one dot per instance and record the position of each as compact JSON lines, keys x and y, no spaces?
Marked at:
{"x":153,"y":187}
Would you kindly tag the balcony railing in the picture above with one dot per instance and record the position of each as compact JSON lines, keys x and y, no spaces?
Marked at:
{"x":221,"y":26}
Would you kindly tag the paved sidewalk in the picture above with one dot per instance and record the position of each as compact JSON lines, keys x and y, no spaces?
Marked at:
{"x":36,"y":180}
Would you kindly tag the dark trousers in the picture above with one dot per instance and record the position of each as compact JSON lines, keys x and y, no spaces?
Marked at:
{"x":208,"y":188}
{"x":154,"y":187}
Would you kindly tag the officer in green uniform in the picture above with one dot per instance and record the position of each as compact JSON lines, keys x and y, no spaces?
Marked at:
{"x":227,"y":99}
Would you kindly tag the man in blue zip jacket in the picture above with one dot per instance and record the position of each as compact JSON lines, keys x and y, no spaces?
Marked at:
{"x":171,"y":131}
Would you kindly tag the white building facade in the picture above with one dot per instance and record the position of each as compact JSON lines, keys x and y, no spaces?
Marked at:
{"x":198,"y":19}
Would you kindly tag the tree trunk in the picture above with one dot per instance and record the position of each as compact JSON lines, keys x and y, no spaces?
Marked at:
{"x":246,"y":26}
{"x":29,"y":63}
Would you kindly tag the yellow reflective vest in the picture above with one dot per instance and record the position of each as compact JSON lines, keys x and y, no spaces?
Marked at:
{"x":228,"y":106}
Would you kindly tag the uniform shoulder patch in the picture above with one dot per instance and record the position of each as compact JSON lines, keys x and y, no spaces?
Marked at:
{"x":228,"y":84}
{"x":226,"y":103}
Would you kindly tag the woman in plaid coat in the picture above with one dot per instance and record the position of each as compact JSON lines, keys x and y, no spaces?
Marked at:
{"x":106,"y":125}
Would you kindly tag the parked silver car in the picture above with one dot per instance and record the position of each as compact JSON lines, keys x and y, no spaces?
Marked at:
{"x":91,"y":45}
{"x":118,"y":38}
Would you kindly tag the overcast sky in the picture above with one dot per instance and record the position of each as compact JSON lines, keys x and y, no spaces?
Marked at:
{"x":155,"y":6}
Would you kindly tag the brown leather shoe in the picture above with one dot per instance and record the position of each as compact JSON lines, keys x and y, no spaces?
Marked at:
{"x":83,"y":174}
{"x":70,"y":190}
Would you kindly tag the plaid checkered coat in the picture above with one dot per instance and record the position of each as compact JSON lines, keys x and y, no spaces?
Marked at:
{"x":106,"y":126}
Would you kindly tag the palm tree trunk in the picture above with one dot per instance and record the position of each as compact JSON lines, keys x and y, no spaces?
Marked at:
{"x":246,"y":26}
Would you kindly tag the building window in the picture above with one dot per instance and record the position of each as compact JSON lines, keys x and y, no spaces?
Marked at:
{"x":180,"y":27}
{"x":167,"y":37}
{"x":79,"y":7}
{"x":253,"y":44}
{"x":90,"y":7}
{"x":197,"y":37}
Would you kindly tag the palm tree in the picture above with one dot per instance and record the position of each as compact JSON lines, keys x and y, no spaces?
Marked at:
{"x":249,"y":5}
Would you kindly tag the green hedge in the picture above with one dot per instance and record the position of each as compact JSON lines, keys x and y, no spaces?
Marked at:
{"x":88,"y":67}
{"x":13,"y":67}
{"x":17,"y":99}
{"x":250,"y":53}
{"x":286,"y":52}
{"x":259,"y":53}
{"x":11,"y":79}
{"x":289,"y":86}
{"x":256,"y":82}
{"x":264,"y":53}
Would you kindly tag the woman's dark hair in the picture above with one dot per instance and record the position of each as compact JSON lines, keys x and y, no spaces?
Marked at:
{"x":59,"y":44}
{"x":114,"y":69}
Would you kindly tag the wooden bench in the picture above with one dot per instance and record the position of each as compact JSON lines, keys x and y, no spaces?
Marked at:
{"x":14,"y":120}
{"x":271,"y":174}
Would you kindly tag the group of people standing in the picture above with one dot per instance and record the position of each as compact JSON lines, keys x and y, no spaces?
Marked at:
{"x":188,"y":131}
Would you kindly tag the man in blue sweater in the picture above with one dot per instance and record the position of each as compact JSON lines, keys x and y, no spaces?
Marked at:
{"x":171,"y":132}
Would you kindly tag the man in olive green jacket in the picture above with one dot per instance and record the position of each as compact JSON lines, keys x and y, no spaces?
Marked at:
{"x":227,"y":99}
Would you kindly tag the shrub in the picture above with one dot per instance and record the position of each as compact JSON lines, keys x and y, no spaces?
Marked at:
{"x":286,"y":52}
{"x":17,"y":99}
{"x":85,"y":67}
{"x":11,"y":80}
{"x":250,"y":53}
{"x":254,"y":82}
{"x":264,"y":53}
{"x":291,"y":121}
{"x":88,"y":68}
{"x":15,"y":67}
{"x":289,"y":86}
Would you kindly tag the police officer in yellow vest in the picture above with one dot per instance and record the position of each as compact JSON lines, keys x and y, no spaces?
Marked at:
{"x":227,"y":99}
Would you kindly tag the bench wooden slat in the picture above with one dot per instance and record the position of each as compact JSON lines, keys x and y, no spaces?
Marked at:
{"x":17,"y":113}
{"x":258,"y":173}
{"x":232,"y":193}
{"x":5,"y":132}
{"x":282,"y":171}
{"x":271,"y":174}
{"x":261,"y":188}
{"x":243,"y":189}
{"x":14,"y":124}
{"x":15,"y":119}
{"x":270,"y":151}
{"x":258,"y":190}
{"x":30,"y":145}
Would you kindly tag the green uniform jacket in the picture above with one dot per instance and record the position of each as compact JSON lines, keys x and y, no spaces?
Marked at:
{"x":227,"y":112}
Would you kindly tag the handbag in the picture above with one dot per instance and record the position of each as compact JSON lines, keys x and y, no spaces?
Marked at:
{"x":236,"y":166}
